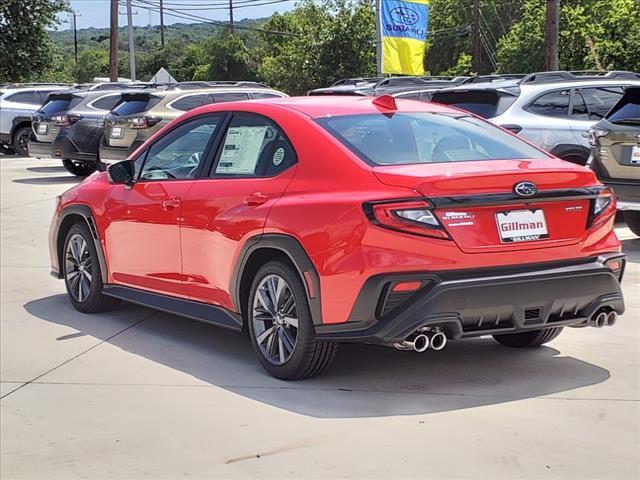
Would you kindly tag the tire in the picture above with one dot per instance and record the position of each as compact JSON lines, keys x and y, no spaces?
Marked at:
{"x":531,"y":339}
{"x":21,"y":141}
{"x":81,"y":265}
{"x":577,"y":159}
{"x":632,"y":218}
{"x":81,"y":169}
{"x":308,"y":357}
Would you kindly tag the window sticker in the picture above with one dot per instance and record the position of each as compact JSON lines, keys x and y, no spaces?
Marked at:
{"x":278,"y":156}
{"x":241,"y":150}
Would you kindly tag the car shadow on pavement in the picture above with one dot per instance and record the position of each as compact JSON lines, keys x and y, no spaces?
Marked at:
{"x":58,"y":169}
{"x":364,"y":380}
{"x":49,"y":180}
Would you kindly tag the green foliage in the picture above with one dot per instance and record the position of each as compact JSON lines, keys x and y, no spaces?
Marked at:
{"x":229,"y":59}
{"x":24,"y":41}
{"x":463,"y":66}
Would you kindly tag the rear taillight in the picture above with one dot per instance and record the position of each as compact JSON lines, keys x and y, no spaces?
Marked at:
{"x":413,"y":216}
{"x":617,"y":266}
{"x":602,"y":207}
{"x":143,"y":122}
{"x":594,"y":134}
{"x":64,"y":119}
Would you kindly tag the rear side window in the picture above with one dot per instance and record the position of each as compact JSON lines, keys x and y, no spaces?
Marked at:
{"x":189,"y":102}
{"x":484,"y":103}
{"x":254,"y":146}
{"x":553,"y":104}
{"x":408,"y":138}
{"x":30,"y":98}
{"x":230,"y":97}
{"x":106,"y":103}
{"x":598,"y":101}
{"x":627,"y":110}
{"x":265,"y":95}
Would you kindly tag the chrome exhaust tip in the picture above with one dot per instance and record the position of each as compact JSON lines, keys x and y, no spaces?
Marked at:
{"x":601,"y":320}
{"x":438,"y":341}
{"x":421,"y":343}
{"x":612,"y":318}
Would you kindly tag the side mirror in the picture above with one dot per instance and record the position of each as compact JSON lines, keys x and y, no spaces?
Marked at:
{"x":122,"y":172}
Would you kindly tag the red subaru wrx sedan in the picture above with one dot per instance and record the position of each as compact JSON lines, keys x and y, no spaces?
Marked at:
{"x":308,"y":222}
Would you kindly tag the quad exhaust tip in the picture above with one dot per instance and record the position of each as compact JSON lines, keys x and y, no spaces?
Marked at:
{"x":438,"y":341}
{"x":612,"y":318}
{"x":603,"y":318}
{"x":423,"y":341}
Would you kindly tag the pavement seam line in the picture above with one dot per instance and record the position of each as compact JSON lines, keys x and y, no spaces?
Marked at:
{"x":78,"y":355}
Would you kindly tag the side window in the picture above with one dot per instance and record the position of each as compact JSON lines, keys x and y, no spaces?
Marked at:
{"x":409,"y":95}
{"x":254,"y":146}
{"x":553,"y":104}
{"x":31,"y":98}
{"x":106,"y":103}
{"x":600,"y":100}
{"x":265,"y":95}
{"x":189,"y":102}
{"x":229,"y":97}
{"x":579,"y":110}
{"x":178,"y":154}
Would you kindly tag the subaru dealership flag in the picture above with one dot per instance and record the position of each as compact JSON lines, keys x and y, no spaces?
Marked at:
{"x":403,"y":26}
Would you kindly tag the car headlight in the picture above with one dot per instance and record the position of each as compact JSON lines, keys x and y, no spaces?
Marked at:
{"x":594,"y":134}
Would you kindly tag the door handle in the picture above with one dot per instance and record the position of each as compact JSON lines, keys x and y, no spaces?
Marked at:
{"x":171,"y":203}
{"x":255,"y":199}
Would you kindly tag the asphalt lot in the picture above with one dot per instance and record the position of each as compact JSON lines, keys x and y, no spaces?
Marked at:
{"x":142,"y":394}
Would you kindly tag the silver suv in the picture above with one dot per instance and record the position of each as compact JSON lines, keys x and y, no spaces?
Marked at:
{"x":553,"y":110}
{"x":17,"y":103}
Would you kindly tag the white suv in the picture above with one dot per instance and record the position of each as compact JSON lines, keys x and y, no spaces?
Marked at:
{"x":553,"y":110}
{"x":17,"y":104}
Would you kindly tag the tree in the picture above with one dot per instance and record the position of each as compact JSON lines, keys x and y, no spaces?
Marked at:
{"x":24,"y":40}
{"x":229,"y":59}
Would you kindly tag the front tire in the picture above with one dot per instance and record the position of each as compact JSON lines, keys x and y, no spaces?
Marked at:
{"x":82,"y":274}
{"x":531,"y":339}
{"x":632,"y":219}
{"x":21,"y":141}
{"x":281,"y":328}
{"x":81,"y":169}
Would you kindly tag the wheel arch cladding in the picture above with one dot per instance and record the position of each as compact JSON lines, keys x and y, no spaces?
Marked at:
{"x":18,"y":123}
{"x":567,"y":149}
{"x":70,"y":216}
{"x":264,"y":248}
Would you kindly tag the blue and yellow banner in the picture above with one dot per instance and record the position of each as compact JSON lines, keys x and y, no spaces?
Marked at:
{"x":403,"y":25}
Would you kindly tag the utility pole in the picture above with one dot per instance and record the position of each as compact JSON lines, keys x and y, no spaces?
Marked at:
{"x":161,"y":24}
{"x":113,"y":42}
{"x":378,"y":41}
{"x":231,"y":16}
{"x":75,"y":36}
{"x":551,"y":34}
{"x":132,"y":48}
{"x":477,"y":41}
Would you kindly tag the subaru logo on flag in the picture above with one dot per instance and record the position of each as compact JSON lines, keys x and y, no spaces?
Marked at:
{"x":405,"y":15}
{"x":525,"y":189}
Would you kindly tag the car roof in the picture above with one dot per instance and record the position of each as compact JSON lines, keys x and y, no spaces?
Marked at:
{"x":34,"y":88}
{"x":336,"y":105}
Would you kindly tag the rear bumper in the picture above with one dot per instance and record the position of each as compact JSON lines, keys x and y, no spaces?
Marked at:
{"x":64,"y":147}
{"x":471,"y":304}
{"x":116,"y":154}
{"x":40,"y":149}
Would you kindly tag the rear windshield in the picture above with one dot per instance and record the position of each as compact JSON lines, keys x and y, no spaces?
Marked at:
{"x":59,"y":104}
{"x":130,"y":105}
{"x":407,"y":138}
{"x":627,"y":110}
{"x":486,"y":104}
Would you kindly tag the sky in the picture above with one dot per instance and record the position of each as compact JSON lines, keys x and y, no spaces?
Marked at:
{"x":95,"y":13}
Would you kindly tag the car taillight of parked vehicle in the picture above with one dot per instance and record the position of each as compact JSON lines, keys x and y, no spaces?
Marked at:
{"x":143,"y":122}
{"x":65,"y":119}
{"x":595,"y":134}
{"x":413,"y":216}
{"x":603,"y":207}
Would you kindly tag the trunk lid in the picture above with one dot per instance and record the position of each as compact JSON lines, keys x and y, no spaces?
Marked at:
{"x":476,"y":203}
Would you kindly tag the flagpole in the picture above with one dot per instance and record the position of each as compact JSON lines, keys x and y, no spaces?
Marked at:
{"x":378,"y":41}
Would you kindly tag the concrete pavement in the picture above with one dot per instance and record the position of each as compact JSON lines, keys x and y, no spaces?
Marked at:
{"x":137,"y":393}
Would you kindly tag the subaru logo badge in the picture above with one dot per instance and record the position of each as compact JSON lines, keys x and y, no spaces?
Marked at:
{"x":525,"y":189}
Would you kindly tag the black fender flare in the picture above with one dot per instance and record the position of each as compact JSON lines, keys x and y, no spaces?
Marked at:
{"x":85,"y":212}
{"x":18,"y":121}
{"x":564,"y":149}
{"x":296,"y":253}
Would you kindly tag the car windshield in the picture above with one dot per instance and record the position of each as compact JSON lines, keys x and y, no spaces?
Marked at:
{"x":627,"y":110}
{"x":58,"y":104}
{"x":484,"y":103}
{"x":408,"y":138}
{"x":132,"y":105}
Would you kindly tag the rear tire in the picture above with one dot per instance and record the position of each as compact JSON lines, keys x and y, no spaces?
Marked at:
{"x":577,"y":159}
{"x":82,"y":274}
{"x":632,"y":218}
{"x":21,"y":141}
{"x":531,"y":339}
{"x":81,"y":169}
{"x":282,"y":322}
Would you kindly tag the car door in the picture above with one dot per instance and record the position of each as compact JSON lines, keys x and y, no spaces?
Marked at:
{"x":253,"y":166}
{"x":550,"y":125}
{"x":589,"y":105}
{"x":143,"y":233}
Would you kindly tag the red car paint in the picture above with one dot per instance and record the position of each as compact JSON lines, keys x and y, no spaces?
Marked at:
{"x":183,"y":237}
